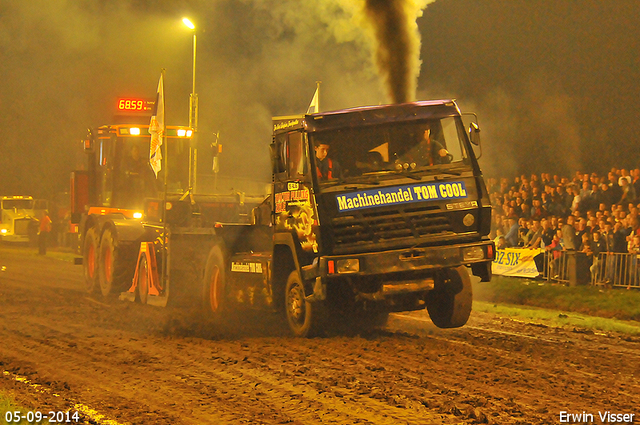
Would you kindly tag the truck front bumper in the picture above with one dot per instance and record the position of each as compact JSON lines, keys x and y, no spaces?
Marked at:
{"x":403,"y":270}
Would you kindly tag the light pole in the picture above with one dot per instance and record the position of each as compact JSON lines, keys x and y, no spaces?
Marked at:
{"x":193,"y":115}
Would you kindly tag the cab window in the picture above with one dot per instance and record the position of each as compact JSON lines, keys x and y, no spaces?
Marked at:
{"x":296,"y":156}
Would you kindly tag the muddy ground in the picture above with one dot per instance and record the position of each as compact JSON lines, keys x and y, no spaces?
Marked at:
{"x":123,"y":363}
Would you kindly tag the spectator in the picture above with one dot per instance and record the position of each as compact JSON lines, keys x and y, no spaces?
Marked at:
{"x":555,"y":250}
{"x":616,"y":191}
{"x":512,"y":235}
{"x":569,"y":234}
{"x":501,"y":243}
{"x":547,"y":232}
{"x":628,"y":191}
{"x":534,"y":237}
{"x":636,"y":182}
{"x":44,"y":230}
{"x":597,"y":247}
{"x":537,"y":210}
{"x":606,"y":196}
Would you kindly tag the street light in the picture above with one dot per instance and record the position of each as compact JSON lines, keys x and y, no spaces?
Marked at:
{"x":193,"y":114}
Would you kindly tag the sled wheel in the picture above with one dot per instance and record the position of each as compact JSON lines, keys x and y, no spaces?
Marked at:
{"x":89,"y":261}
{"x":143,"y":280}
{"x":213,"y":289}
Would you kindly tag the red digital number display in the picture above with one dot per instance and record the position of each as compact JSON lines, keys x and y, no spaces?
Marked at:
{"x":133,"y":105}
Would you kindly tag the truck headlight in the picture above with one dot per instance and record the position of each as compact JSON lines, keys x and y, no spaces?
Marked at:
{"x":473,"y":253}
{"x":350,"y":265}
{"x":137,"y":214}
{"x":3,"y":231}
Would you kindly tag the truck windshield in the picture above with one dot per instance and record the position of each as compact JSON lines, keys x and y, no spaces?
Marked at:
{"x":21,"y":204}
{"x":395,"y":147}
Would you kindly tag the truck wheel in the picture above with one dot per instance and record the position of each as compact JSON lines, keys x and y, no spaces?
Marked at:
{"x":449,"y":303}
{"x":113,"y":269}
{"x":305,"y":319}
{"x":213,"y":289}
{"x":89,"y":261}
{"x":143,"y":280}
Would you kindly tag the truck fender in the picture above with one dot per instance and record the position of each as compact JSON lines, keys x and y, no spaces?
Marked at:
{"x":127,"y":230}
{"x":286,"y":241}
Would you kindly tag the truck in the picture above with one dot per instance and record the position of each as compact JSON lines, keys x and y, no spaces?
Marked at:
{"x":389,"y":230}
{"x":19,"y":218}
{"x":108,"y":197}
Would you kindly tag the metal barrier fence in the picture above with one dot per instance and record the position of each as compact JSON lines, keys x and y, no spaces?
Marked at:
{"x":616,"y":269}
{"x":608,"y":268}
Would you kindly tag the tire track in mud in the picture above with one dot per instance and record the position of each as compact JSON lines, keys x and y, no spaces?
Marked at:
{"x":552,"y":364}
{"x":139,"y":364}
{"x":228,"y":382}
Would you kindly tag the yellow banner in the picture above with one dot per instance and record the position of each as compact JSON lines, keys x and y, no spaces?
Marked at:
{"x":515,"y":262}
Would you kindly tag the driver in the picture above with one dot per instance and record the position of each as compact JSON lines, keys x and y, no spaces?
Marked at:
{"x":326,"y":168}
{"x":432,"y":152}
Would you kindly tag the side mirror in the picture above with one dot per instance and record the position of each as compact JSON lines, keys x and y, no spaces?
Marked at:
{"x":474,"y":134}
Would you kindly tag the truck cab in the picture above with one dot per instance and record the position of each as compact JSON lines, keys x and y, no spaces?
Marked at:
{"x":19,"y":218}
{"x":373,"y":209}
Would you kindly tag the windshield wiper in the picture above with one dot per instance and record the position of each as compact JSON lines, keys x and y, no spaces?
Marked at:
{"x":354,"y":187}
{"x":442,"y":175}
{"x":410,"y":174}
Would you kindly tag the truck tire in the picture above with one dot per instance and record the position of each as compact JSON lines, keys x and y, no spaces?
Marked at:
{"x":143,"y":280}
{"x":305,"y":319}
{"x":449,"y":303}
{"x":114,"y":269}
{"x":90,"y":261}
{"x":214,"y":298}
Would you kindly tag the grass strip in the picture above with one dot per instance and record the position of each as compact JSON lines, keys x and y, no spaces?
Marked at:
{"x":611,"y":303}
{"x":559,"y":319}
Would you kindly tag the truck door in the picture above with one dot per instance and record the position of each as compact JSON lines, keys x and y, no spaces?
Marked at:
{"x":295,"y":209}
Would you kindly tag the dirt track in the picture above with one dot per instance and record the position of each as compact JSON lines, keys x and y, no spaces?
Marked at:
{"x":132,"y":364}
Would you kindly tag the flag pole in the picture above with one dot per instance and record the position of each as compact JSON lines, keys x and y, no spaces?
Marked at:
{"x":318,"y":91}
{"x":163,"y":278}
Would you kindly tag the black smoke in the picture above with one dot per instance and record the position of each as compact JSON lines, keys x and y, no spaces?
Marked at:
{"x":397,"y":44}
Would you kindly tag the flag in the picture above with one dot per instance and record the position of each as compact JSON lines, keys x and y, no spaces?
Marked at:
{"x":314,"y":106}
{"x":156,"y":128}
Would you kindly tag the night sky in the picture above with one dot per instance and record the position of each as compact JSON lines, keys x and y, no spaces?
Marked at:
{"x":555,"y":82}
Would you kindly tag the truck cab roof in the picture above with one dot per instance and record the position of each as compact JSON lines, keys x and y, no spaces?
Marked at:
{"x":367,"y":115}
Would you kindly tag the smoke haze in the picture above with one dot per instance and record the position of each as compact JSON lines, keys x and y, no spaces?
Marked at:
{"x":552,"y":93}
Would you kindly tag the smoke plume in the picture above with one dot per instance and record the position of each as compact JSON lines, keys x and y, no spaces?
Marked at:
{"x":397,"y":44}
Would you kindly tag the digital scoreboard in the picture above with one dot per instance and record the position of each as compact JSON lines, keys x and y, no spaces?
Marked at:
{"x":134,"y":106}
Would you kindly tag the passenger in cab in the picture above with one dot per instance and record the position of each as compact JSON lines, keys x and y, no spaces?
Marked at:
{"x":326,"y":168}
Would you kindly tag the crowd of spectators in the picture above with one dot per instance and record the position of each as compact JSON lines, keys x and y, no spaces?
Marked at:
{"x":588,"y":213}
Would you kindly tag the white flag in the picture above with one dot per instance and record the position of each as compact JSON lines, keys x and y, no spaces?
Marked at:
{"x":156,"y":128}
{"x":314,"y":106}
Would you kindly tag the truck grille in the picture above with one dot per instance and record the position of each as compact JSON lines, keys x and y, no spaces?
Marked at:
{"x":21,"y":226}
{"x":362,"y":229}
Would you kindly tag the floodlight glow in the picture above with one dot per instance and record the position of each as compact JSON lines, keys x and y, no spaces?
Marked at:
{"x":134,"y":131}
{"x":188,"y":23}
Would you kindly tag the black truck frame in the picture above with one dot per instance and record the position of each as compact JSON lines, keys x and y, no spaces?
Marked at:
{"x":392,"y":230}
